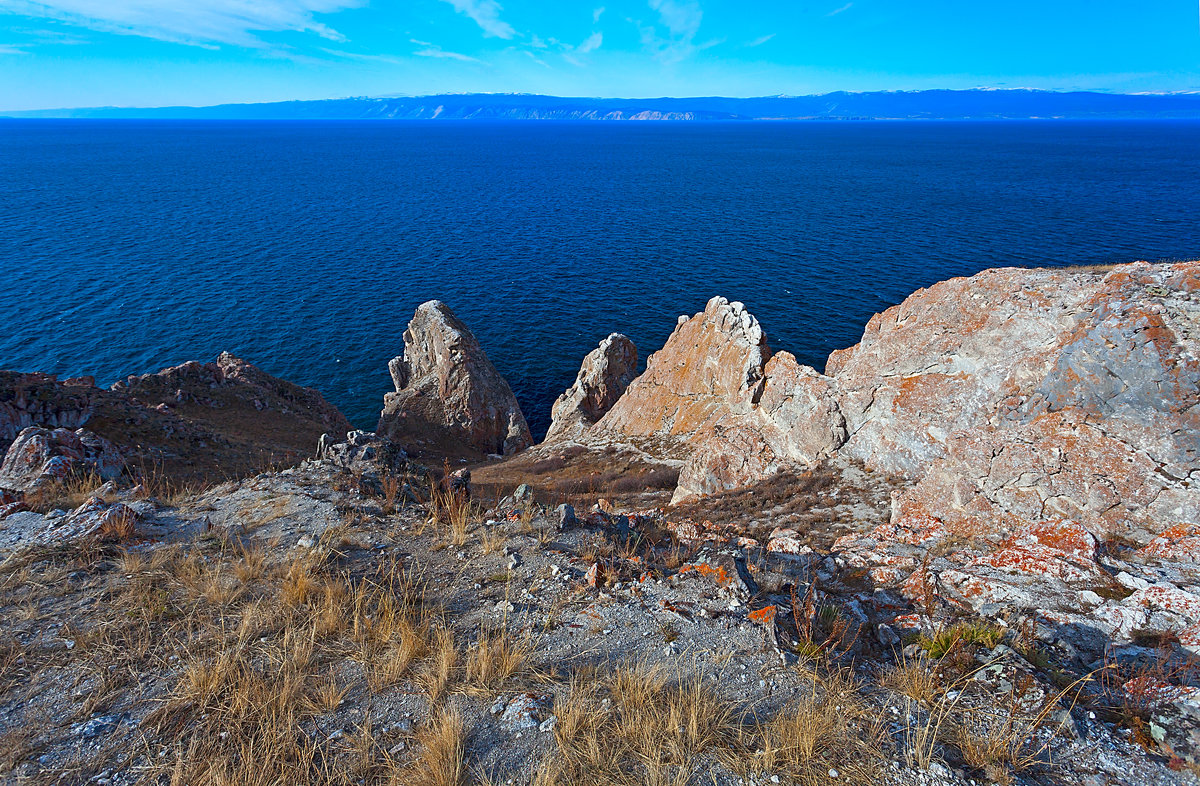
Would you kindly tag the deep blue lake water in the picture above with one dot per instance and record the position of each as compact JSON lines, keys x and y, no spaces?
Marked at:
{"x":126,"y":246}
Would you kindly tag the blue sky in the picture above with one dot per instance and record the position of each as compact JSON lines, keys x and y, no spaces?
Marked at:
{"x":56,"y":53}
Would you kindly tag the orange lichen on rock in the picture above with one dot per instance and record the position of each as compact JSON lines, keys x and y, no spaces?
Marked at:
{"x":763,"y":616}
{"x":715,"y":572}
{"x":1062,"y":550}
{"x":1180,"y":543}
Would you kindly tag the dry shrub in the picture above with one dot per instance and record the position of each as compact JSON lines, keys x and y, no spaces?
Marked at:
{"x":391,"y":486}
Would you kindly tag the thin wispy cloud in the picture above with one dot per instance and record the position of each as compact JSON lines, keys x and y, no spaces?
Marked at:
{"x":197,"y":22}
{"x":837,"y":11}
{"x":8,"y":49}
{"x":597,"y":13}
{"x":433,"y":50}
{"x":486,"y":14}
{"x":363,"y":57}
{"x":591,"y":44}
{"x":536,"y":59}
{"x":760,"y":41}
{"x":682,"y":19}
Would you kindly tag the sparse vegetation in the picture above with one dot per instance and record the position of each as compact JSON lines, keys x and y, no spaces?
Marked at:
{"x":264,"y":662}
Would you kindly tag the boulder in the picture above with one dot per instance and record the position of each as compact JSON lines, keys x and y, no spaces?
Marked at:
{"x":40,"y":456}
{"x":605,"y":374}
{"x":93,"y":519}
{"x":449,"y":398}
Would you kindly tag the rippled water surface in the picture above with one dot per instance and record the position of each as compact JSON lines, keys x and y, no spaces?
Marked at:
{"x":304,"y":247}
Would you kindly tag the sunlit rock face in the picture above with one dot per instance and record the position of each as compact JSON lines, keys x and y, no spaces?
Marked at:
{"x":997,"y":401}
{"x":715,"y":394}
{"x":1017,"y":396}
{"x":604,"y":375}
{"x":711,"y":364}
{"x":449,"y":398}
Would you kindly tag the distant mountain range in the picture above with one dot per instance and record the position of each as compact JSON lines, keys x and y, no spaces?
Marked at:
{"x":980,"y":104}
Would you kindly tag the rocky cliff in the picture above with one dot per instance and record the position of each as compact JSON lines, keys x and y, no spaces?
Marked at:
{"x":449,"y":398}
{"x":1012,"y":396}
{"x":985,"y":512}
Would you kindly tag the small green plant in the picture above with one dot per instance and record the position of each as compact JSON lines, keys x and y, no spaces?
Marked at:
{"x":944,"y":641}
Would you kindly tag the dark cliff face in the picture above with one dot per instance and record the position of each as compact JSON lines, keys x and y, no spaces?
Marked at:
{"x":190,"y":422}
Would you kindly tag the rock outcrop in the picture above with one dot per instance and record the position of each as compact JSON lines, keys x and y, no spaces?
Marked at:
{"x":605,"y":374}
{"x":41,"y":400}
{"x":1000,"y":400}
{"x":1018,"y":396}
{"x":712,"y":363}
{"x":715,"y":394}
{"x":449,"y":398}
{"x":234,"y":384}
{"x":39,"y":456}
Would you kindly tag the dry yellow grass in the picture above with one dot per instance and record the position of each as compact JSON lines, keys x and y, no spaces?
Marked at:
{"x":653,"y":728}
{"x":65,"y":494}
{"x":450,"y":513}
{"x":497,"y":657}
{"x":442,"y":667}
{"x":912,"y":677}
{"x":830,"y":728}
{"x":492,"y":540}
{"x":442,"y":759}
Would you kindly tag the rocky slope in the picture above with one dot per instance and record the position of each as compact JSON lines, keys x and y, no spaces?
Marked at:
{"x":183,"y":424}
